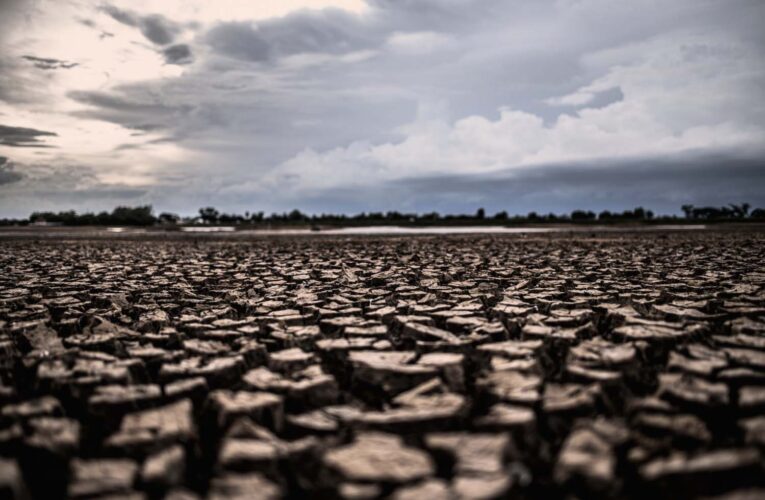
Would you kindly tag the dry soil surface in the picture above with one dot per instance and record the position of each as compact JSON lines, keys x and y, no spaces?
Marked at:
{"x":606,"y":366}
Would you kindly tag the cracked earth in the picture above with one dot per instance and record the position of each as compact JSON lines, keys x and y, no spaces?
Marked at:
{"x":591,"y":366}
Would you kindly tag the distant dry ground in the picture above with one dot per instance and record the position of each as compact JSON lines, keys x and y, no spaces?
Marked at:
{"x":590,"y":365}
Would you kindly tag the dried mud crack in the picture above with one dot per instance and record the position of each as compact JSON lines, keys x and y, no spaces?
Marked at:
{"x":603,"y":366}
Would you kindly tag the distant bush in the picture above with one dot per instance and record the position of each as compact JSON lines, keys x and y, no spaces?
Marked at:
{"x":732,"y":211}
{"x":120,"y":216}
{"x":581,"y":215}
{"x":13,"y":222}
{"x":637,"y":214}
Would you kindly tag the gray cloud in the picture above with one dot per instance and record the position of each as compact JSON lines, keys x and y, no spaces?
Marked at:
{"x":106,"y":195}
{"x":8,"y":174}
{"x":48,"y":63}
{"x":121,"y":16}
{"x":59,"y":185}
{"x":323,"y":31}
{"x":11,"y":12}
{"x":131,"y":107}
{"x":178,"y":54}
{"x":157,"y":29}
{"x":336,"y":31}
{"x":239,"y":40}
{"x":22,"y":137}
{"x":18,"y":85}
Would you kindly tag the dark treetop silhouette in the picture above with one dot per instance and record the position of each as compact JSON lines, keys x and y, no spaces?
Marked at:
{"x":143,"y":216}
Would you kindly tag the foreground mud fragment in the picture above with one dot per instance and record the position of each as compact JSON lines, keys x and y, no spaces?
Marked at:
{"x":379,"y":458}
{"x":597,"y":366}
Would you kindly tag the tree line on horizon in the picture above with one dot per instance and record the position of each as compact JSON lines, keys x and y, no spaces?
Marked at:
{"x":144,"y":216}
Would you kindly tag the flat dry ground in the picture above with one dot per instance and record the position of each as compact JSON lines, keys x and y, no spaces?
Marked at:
{"x":592,"y":365}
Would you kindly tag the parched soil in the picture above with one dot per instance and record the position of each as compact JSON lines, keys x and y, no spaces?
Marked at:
{"x":560,"y":366}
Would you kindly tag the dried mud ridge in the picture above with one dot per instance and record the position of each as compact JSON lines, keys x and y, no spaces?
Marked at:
{"x":421,"y":368}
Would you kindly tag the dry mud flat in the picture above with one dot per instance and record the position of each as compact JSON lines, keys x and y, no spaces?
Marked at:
{"x":409,"y":368}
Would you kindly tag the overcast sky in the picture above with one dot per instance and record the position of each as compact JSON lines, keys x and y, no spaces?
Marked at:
{"x":351,"y":105}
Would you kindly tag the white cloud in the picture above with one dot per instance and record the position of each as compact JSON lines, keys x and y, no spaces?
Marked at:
{"x":676,"y":98}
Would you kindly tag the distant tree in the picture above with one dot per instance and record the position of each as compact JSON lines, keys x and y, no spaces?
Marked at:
{"x":740,"y":211}
{"x":687,"y":210}
{"x":296,"y":216}
{"x":103,"y":218}
{"x":581,"y":215}
{"x":142,"y":215}
{"x":713,"y":213}
{"x":168,"y":218}
{"x":14,"y":222}
{"x":230,"y":219}
{"x":133,"y":216}
{"x":209,"y":215}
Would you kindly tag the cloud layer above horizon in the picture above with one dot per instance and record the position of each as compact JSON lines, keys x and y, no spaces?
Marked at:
{"x":351,"y":105}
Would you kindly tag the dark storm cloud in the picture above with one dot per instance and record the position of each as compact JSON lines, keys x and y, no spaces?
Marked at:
{"x":658,"y":183}
{"x":155,"y":28}
{"x":49,"y":63}
{"x":22,"y":137}
{"x":7,"y":173}
{"x":177,"y":54}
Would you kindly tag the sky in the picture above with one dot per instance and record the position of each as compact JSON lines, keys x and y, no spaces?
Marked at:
{"x":376,"y":105}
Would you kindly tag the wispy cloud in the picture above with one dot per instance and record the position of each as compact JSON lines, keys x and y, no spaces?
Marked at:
{"x":21,"y":137}
{"x":49,"y":63}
